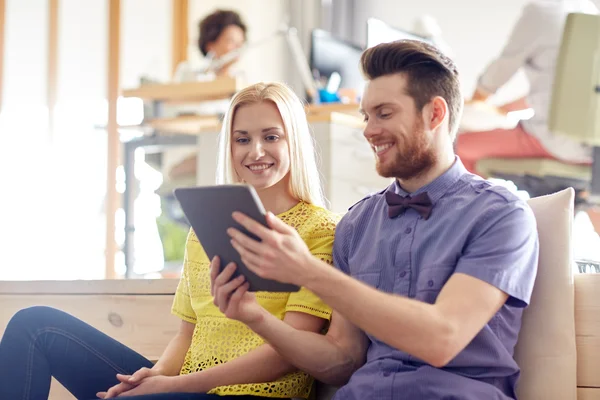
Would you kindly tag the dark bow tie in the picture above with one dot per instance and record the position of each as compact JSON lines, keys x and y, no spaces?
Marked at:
{"x":397,"y":204}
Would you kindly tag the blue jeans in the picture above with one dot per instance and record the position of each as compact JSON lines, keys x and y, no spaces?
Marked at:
{"x":42,"y":342}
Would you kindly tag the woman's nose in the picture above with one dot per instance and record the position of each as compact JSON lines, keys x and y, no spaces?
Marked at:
{"x":257,"y":150}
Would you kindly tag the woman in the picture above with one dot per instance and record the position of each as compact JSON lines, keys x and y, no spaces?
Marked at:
{"x":266,"y":143}
{"x":220,"y":33}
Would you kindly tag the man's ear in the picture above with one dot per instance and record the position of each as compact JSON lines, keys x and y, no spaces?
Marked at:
{"x":437,"y":111}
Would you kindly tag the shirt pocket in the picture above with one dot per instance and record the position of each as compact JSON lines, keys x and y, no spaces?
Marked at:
{"x":370,"y":278}
{"x":431,"y":281}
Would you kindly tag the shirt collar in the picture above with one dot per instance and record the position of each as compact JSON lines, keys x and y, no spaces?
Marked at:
{"x":439,"y":186}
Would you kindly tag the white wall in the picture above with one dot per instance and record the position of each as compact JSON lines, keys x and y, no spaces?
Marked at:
{"x":26,"y":53}
{"x":145,"y":41}
{"x":476,"y":30}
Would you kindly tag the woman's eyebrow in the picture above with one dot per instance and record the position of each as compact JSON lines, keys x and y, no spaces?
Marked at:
{"x":272,"y":128}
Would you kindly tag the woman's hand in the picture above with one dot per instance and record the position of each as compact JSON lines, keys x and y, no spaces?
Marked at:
{"x":232,"y":296}
{"x":152,"y":385}
{"x":128,"y":382}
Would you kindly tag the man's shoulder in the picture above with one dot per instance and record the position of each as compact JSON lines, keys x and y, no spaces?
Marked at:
{"x":487,"y":200}
{"x":482,"y":190}
{"x":366,"y":202}
{"x":359,"y":212}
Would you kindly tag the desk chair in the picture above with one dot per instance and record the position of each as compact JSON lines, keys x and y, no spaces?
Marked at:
{"x":574,"y":113}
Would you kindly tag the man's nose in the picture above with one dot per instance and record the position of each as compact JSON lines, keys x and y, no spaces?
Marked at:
{"x":371,"y":130}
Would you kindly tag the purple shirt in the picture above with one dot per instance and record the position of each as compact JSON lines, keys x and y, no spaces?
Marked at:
{"x":475,"y":228}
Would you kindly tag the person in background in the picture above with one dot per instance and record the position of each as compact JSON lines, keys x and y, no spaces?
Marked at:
{"x":221,"y":32}
{"x":265,"y":143}
{"x":533,"y":45}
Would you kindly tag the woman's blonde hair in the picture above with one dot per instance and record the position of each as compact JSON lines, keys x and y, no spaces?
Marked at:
{"x":305,"y":182}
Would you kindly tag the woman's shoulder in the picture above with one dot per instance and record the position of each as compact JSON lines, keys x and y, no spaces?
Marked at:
{"x":195,"y":251}
{"x":319,"y":219}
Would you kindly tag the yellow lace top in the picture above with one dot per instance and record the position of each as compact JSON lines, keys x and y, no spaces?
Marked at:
{"x":218,"y":339}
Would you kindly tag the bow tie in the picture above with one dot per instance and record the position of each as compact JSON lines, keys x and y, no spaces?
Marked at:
{"x":397,"y":204}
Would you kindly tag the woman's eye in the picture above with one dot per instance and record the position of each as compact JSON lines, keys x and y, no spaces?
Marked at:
{"x":272,"y":138}
{"x":242,"y":140}
{"x":384,"y":115}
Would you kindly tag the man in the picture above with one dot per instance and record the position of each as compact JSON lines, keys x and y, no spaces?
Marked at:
{"x":432,"y":273}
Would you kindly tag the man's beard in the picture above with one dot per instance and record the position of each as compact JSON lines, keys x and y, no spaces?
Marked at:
{"x":414,"y":157}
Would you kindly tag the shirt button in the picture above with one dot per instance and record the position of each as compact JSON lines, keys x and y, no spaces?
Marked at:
{"x":430,"y":283}
{"x":481,"y":186}
{"x":386,"y":374}
{"x":402,"y":274}
{"x":407,"y":231}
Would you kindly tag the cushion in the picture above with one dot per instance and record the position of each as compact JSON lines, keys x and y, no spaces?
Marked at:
{"x":546,"y":349}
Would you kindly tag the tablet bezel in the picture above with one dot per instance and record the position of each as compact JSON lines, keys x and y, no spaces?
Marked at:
{"x":209,"y":210}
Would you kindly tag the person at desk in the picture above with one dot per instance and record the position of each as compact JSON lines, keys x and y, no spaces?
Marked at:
{"x":533,"y":45}
{"x":221,"y":32}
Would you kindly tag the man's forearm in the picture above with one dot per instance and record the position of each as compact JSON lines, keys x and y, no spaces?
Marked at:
{"x":313,"y":353}
{"x":172,"y":358}
{"x":262,"y":364}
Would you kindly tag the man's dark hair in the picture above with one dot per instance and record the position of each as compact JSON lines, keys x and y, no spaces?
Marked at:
{"x":428,"y":71}
{"x":214,"y":24}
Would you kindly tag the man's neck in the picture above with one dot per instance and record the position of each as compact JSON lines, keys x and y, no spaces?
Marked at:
{"x":438,"y":169}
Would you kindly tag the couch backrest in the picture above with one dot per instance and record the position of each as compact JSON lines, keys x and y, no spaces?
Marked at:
{"x":546,"y":349}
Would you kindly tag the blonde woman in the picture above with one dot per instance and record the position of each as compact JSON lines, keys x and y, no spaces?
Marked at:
{"x":265,"y":143}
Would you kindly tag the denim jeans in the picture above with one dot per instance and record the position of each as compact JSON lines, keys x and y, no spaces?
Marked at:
{"x":42,"y":342}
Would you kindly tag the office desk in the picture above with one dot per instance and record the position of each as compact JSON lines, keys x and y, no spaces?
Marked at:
{"x":168,"y":132}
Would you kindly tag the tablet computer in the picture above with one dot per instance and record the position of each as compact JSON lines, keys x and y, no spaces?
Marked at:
{"x":208,"y":209}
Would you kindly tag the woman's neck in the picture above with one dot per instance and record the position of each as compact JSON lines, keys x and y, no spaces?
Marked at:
{"x":277,"y":200}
